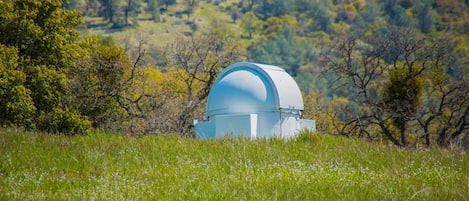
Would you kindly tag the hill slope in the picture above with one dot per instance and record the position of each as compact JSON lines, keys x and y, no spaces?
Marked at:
{"x":314,"y":167}
{"x":170,"y":28}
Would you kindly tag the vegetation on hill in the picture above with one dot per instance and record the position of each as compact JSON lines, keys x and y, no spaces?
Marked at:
{"x":394,"y":69}
{"x":103,"y":166}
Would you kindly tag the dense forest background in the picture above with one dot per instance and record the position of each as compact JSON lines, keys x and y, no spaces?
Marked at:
{"x":393,"y":70}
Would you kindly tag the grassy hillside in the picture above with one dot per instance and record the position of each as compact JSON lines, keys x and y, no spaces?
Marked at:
{"x":315,"y":167}
{"x":170,"y":28}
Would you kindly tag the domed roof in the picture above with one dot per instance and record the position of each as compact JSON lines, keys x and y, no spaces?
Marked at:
{"x":251,"y":88}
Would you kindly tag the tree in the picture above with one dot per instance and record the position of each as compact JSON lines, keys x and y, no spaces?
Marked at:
{"x":325,"y":112}
{"x":346,"y":12}
{"x":43,"y":34}
{"x":153,"y":8}
{"x":110,"y":10}
{"x":247,"y":5}
{"x":425,"y":17}
{"x":445,"y":112}
{"x":198,"y":61}
{"x":121,"y":12}
{"x":235,"y":14}
{"x":167,"y":3}
{"x":370,"y":12}
{"x":402,"y":96}
{"x":320,"y":12}
{"x":282,"y":48}
{"x":250,"y":23}
{"x":447,"y":102}
{"x":72,"y":4}
{"x":272,"y":8}
{"x":132,"y":8}
{"x":388,"y":75}
{"x":190,"y":5}
{"x":16,"y":104}
{"x":108,"y":87}
{"x":120,"y":93}
{"x":396,"y":14}
{"x":452,"y":16}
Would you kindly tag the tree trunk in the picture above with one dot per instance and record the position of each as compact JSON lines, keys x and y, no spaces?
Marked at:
{"x":402,"y":127}
{"x":388,"y":134}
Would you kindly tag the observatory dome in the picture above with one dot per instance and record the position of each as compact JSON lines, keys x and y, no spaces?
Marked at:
{"x":252,"y":88}
{"x":253,"y":100}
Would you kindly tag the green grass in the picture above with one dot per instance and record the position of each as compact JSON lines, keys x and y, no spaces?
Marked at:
{"x":102,"y":166}
{"x":170,"y":29}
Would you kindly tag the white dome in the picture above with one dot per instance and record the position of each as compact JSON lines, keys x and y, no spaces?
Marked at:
{"x":251,"y":88}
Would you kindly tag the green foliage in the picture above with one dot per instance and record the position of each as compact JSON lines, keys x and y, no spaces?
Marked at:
{"x":403,"y":93}
{"x":282,"y":49}
{"x":42,"y":31}
{"x":46,"y":85}
{"x":272,"y":8}
{"x":426,"y":17}
{"x":396,"y":14}
{"x":16,"y":104}
{"x":250,"y":23}
{"x":452,"y":16}
{"x":391,"y":79}
{"x":63,"y":121}
{"x":402,"y":97}
{"x":111,"y":66}
{"x":104,"y":166}
{"x":98,"y":80}
{"x":111,"y":11}
{"x":132,"y":8}
{"x":45,"y":72}
{"x":153,"y":8}
{"x":167,"y":3}
{"x":321,"y":12}
{"x":121,"y":13}
{"x":307,"y":136}
{"x":40,"y":39}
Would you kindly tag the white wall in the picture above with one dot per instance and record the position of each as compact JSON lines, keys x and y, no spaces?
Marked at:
{"x":236,"y":125}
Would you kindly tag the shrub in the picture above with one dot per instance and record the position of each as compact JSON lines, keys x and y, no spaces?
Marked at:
{"x":63,"y":121}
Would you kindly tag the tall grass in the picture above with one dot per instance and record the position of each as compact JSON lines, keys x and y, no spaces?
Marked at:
{"x":103,"y":166}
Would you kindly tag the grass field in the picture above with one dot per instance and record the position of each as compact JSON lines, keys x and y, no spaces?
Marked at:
{"x":170,"y":29}
{"x":314,"y":167}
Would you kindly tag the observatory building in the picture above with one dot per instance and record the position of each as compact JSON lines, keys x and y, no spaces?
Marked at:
{"x":255,"y":101}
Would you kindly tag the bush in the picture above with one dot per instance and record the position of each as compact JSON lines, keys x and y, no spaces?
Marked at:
{"x":307,"y":136}
{"x":63,"y":121}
